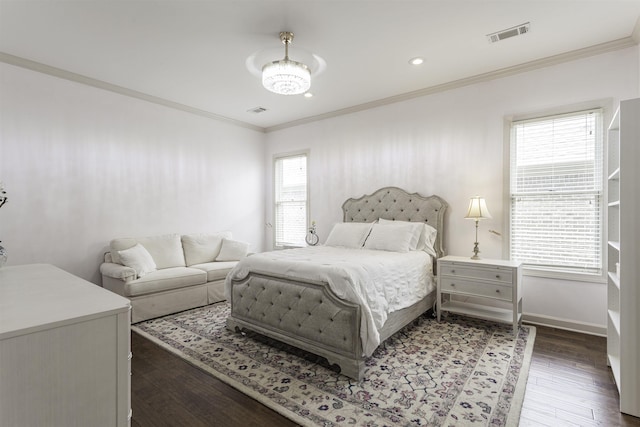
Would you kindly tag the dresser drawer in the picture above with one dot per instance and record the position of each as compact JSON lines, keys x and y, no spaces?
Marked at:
{"x":469,"y":287}
{"x":488,"y":273}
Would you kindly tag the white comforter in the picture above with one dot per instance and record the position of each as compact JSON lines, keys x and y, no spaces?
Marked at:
{"x":379,"y":281}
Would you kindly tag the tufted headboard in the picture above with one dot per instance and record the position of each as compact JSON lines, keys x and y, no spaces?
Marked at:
{"x":396,"y":204}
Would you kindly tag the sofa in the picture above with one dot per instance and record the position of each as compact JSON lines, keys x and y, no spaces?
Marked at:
{"x":165,"y":274}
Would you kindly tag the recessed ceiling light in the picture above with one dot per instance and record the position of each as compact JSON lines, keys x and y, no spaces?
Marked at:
{"x":308,"y":95}
{"x":416,"y":61}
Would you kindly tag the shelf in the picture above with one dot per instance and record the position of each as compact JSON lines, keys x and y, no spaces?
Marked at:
{"x":614,"y":362}
{"x":615,"y":203}
{"x":615,"y":279}
{"x":614,"y":245}
{"x":615,"y":175}
{"x":615,"y":320}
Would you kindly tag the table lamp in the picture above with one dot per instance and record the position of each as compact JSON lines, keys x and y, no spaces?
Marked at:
{"x":477,"y":210}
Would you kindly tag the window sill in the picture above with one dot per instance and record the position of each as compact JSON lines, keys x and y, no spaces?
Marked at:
{"x":563,"y":274}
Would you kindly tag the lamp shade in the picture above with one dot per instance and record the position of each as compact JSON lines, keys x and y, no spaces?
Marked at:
{"x":478,"y":209}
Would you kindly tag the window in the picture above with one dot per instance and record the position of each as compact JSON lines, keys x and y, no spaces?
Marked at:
{"x":556,"y":190}
{"x":291,"y":202}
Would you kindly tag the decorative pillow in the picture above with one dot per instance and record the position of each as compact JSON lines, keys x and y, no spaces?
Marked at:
{"x":391,"y":237}
{"x":139,"y":259}
{"x":202,"y":248}
{"x":427,"y":238}
{"x":232,"y":250}
{"x":349,"y":234}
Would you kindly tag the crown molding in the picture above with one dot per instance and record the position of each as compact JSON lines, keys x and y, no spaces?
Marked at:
{"x":504,"y":72}
{"x":79,"y":78}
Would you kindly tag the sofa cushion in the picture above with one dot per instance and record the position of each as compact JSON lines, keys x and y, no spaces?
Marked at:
{"x":166,"y":250}
{"x":232,"y":250}
{"x":202,"y":248}
{"x":139,"y":259}
{"x":165,"y":279}
{"x":216,"y":270}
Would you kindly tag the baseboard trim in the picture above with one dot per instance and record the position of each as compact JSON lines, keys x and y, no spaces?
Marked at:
{"x":568,"y":325}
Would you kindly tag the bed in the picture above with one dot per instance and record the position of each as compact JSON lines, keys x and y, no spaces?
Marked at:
{"x":304,"y":310}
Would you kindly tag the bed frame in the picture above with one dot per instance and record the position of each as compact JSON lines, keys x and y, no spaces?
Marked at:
{"x":306,"y":314}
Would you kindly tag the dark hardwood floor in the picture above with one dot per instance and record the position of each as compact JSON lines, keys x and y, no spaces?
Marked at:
{"x":569,"y":385}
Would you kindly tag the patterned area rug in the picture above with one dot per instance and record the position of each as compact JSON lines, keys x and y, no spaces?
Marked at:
{"x":455,"y":373}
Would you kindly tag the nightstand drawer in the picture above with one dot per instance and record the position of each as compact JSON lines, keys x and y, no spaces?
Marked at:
{"x":488,"y":273}
{"x":468,"y":287}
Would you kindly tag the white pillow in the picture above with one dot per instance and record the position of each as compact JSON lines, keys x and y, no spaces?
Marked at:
{"x":349,"y":234}
{"x":232,"y":250}
{"x":427,"y":238}
{"x":139,"y":259}
{"x":202,"y":248}
{"x":416,"y":228}
{"x":390,"y":237}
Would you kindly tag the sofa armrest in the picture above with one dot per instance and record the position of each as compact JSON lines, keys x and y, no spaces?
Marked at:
{"x":117,"y":271}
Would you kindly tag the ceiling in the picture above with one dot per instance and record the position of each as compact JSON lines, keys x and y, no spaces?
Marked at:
{"x":194,"y":54}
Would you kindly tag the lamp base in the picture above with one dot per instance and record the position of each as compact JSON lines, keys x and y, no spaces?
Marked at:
{"x":476,"y":251}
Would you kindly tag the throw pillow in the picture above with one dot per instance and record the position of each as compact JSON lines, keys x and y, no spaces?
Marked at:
{"x":232,"y":250}
{"x":139,"y":259}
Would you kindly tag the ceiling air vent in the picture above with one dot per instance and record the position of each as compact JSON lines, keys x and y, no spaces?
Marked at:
{"x":509,"y":32}
{"x":257,"y":110}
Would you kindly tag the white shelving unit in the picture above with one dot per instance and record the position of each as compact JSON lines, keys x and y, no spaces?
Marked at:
{"x":623,"y":251}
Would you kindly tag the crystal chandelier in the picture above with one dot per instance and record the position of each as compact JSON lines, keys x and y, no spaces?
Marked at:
{"x":286,"y":77}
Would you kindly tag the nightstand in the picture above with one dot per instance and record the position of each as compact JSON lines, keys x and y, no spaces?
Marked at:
{"x":486,"y":279}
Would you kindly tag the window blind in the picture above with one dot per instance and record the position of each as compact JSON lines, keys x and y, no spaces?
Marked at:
{"x":290,"y":200}
{"x":556,"y":192}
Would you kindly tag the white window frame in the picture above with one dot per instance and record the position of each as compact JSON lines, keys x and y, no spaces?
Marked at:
{"x":540,"y":271}
{"x":276,"y":159}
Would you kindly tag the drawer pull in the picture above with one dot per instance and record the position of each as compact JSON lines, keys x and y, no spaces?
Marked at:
{"x":497,"y":291}
{"x":453,"y":272}
{"x":453,"y":284}
{"x":497,"y":276}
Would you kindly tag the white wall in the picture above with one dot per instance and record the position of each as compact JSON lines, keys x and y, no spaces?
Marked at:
{"x":82,"y":166}
{"x":451,"y":144}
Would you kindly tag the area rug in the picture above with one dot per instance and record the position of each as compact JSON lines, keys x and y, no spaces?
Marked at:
{"x":457,"y":372}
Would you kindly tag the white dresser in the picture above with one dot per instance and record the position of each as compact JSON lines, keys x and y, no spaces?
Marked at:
{"x":64,"y":350}
{"x":484,"y":280}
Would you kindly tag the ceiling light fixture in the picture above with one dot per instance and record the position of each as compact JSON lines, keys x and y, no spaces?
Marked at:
{"x":416,"y":61}
{"x":286,"y":77}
